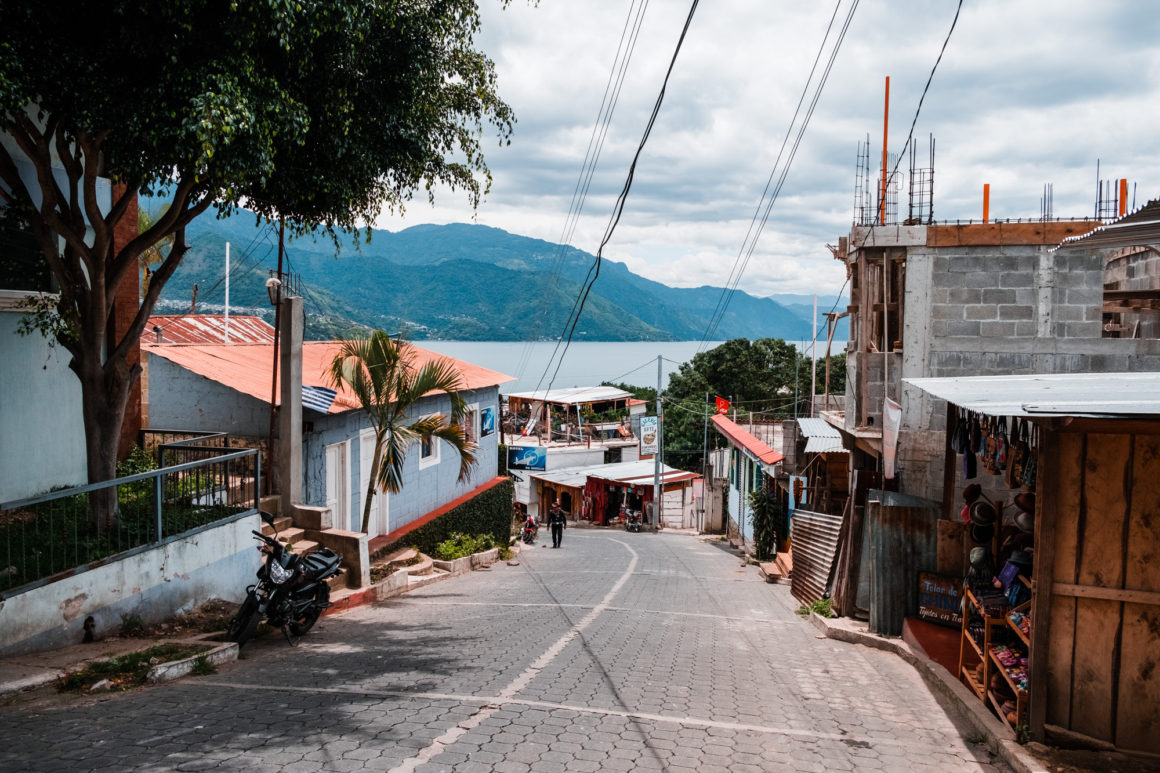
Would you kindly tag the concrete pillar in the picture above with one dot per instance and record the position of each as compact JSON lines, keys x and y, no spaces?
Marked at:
{"x":290,"y":404}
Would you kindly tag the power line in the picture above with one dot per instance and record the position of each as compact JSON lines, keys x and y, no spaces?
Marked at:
{"x":618,"y":210}
{"x":612,"y":88}
{"x":757,"y":225}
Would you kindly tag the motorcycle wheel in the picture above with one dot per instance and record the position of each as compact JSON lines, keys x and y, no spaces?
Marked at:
{"x":245,"y":622}
{"x":304,"y":623}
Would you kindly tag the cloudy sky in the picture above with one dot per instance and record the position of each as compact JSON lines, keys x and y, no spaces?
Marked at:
{"x":1027,"y":93}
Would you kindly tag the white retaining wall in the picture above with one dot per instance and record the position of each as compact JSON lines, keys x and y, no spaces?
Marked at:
{"x":154,"y":583}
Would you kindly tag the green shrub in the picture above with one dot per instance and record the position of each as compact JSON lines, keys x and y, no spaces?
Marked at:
{"x":821,"y":607}
{"x":489,"y":513}
{"x":132,"y":625}
{"x":461,"y":545}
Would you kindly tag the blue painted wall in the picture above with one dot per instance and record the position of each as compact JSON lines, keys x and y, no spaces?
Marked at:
{"x":424,"y":489}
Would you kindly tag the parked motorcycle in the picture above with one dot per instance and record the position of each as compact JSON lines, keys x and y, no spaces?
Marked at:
{"x":529,"y":533}
{"x":633,"y":520}
{"x":291,"y":591}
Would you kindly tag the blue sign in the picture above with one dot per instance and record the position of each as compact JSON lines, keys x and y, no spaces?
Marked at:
{"x":487,"y":422}
{"x":527,"y":458}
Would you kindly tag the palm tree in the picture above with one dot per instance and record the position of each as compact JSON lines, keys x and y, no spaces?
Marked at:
{"x":382,"y":375}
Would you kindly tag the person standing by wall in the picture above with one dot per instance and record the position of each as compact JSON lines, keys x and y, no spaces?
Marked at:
{"x":556,"y":520}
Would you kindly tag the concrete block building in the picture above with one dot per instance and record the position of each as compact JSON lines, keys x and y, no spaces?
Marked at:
{"x":976,"y":299}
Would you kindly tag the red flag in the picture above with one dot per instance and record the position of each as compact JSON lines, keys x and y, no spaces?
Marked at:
{"x":722,"y":405}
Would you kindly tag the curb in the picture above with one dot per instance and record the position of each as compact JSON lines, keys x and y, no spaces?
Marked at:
{"x":1000,"y":739}
{"x":175,"y":669}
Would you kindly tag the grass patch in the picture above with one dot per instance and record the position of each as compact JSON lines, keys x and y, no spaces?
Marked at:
{"x":128,"y":670}
{"x":203,"y":667}
{"x":821,"y":607}
{"x":132,"y":625}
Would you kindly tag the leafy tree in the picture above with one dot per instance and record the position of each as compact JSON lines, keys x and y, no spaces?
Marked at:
{"x":760,"y":377}
{"x":381,"y":373}
{"x":319,"y":114}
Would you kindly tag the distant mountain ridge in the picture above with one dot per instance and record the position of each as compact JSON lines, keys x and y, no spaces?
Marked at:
{"x":463,"y":282}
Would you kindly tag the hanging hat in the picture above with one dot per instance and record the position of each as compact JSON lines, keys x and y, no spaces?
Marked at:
{"x":1021,"y":559}
{"x":983,"y":513}
{"x":1025,"y":522}
{"x":1015,"y":540}
{"x":981,"y":534}
{"x":965,"y":514}
{"x":1025,"y":502}
{"x":979,"y":557}
{"x":972,"y":493}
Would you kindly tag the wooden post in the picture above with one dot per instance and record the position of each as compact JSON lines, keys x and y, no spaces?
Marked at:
{"x":1042,"y":579}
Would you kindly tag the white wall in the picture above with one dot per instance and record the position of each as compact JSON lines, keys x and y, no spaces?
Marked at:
{"x":40,"y":413}
{"x":157,"y":583}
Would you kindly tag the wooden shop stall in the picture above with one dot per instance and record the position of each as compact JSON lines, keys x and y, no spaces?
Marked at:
{"x":1091,"y":627}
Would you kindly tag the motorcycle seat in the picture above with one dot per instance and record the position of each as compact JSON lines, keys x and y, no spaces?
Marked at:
{"x":322,"y":562}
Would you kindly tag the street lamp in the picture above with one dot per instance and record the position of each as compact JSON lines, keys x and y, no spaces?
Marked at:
{"x":274,"y":290}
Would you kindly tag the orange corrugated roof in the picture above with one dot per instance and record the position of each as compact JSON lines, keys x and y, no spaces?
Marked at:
{"x":207,"y":329}
{"x":246,"y":368}
{"x":742,"y":437}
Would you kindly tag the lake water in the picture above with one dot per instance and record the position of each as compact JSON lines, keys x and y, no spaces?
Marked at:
{"x":587,"y":363}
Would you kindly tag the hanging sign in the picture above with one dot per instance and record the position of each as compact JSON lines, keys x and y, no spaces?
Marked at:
{"x":940,"y":599}
{"x":487,"y":422}
{"x":648,"y":436}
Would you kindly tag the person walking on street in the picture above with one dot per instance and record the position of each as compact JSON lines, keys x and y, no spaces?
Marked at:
{"x":556,"y":520}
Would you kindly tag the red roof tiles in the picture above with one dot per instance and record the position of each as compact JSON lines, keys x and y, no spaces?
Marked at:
{"x":741,"y":437}
{"x":246,"y":368}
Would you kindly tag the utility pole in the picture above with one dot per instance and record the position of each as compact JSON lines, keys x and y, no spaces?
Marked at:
{"x":274,"y":387}
{"x":705,"y":464}
{"x":227,"y":330}
{"x":814,"y":358}
{"x":657,"y":456}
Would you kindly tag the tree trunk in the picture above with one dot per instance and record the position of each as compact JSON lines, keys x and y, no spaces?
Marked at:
{"x":376,"y":460}
{"x":105,"y":394}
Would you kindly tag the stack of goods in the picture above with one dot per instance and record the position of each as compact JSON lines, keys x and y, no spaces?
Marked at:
{"x":1014,"y":663}
{"x":1022,"y":621}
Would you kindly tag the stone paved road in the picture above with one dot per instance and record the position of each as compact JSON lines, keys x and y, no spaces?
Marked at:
{"x":619,"y":652}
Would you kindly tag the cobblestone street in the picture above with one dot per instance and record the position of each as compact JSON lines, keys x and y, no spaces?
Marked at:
{"x":617,"y":652}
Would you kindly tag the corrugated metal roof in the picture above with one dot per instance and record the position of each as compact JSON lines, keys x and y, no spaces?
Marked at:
{"x":207,"y":329}
{"x":739,"y":436}
{"x":817,"y":428}
{"x":632,"y":473}
{"x":246,"y":368}
{"x":1110,"y":395}
{"x":575,"y":395}
{"x":825,"y":445}
{"x":1135,"y":228}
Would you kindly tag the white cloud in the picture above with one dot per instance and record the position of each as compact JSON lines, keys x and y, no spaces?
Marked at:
{"x":1027,"y":93}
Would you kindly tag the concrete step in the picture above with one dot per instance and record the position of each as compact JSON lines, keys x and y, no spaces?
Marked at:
{"x":281,"y":523}
{"x":414,"y":581}
{"x":291,"y":535}
{"x":304,"y":547}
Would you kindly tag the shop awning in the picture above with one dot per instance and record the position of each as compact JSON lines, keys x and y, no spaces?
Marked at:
{"x":820,"y":437}
{"x":624,"y":474}
{"x":1095,"y":395}
{"x":574,"y":395}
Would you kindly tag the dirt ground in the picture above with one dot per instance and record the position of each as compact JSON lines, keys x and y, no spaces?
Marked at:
{"x":1080,"y":761}
{"x":210,"y":617}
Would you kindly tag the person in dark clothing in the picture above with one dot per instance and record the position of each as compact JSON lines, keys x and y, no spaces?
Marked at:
{"x":557,"y":521}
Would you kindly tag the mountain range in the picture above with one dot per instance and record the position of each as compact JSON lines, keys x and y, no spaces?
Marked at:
{"x":462,"y":282}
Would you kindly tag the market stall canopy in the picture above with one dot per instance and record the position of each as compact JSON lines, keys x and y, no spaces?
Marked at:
{"x":1141,"y":227}
{"x":820,"y":437}
{"x":1094,"y":395}
{"x":625,"y":473}
{"x":574,"y":395}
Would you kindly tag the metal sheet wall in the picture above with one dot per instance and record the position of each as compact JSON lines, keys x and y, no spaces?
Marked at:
{"x":813,"y":544}
{"x":903,"y":542}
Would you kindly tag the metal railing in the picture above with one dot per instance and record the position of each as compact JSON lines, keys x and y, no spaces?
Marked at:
{"x":55,"y":535}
